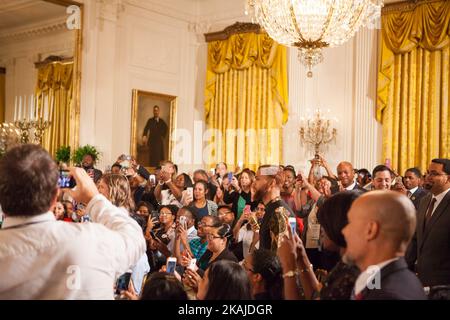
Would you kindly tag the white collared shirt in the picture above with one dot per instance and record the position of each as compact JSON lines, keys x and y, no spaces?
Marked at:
{"x":41,"y":258}
{"x":439,"y":199}
{"x":367,"y":275}
{"x":413,"y":190}
{"x":351,"y":187}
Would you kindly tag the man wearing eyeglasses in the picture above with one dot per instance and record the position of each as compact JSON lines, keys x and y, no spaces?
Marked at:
{"x":431,"y":242}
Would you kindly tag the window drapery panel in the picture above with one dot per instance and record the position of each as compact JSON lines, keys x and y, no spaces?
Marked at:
{"x":54,"y":88}
{"x":413,"y":85}
{"x":246,"y":100}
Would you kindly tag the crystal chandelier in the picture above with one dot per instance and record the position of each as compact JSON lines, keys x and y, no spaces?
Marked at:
{"x":311,"y":25}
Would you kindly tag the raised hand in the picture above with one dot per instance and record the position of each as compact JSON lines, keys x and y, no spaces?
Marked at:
{"x":85,"y":189}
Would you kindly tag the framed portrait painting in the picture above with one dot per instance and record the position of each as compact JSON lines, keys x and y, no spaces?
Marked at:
{"x":153,"y":117}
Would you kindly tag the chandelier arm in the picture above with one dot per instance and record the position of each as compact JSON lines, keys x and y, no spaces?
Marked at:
{"x":327,"y":23}
{"x":295,"y":23}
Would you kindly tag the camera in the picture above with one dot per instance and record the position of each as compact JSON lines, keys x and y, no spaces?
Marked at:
{"x":65,"y":180}
{"x":123,"y":282}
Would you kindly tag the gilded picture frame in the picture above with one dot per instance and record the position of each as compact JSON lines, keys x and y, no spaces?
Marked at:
{"x":146,"y":151}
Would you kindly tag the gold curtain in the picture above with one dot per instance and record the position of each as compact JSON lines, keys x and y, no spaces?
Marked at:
{"x":246,"y":100}
{"x":2,"y":95}
{"x":55,"y":89}
{"x":413,"y":85}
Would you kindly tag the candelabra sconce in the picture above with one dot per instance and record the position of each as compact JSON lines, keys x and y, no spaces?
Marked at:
{"x":40,"y":126}
{"x":24,"y":126}
{"x":317,"y":131}
{"x":35,"y":115}
{"x":9,"y":136}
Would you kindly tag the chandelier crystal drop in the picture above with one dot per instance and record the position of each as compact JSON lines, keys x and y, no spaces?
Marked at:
{"x":311,"y":25}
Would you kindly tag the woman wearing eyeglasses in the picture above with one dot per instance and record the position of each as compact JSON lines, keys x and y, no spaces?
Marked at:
{"x":159,"y":237}
{"x":217,"y":249}
{"x":195,"y":248}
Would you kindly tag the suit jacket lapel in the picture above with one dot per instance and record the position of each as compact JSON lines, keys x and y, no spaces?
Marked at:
{"x":421,"y":212}
{"x":394,"y":266}
{"x":437,"y":213}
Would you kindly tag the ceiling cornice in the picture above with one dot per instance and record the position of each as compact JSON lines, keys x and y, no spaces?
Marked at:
{"x":35,"y":29}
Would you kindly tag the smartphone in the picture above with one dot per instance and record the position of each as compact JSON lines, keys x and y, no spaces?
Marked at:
{"x":230,"y":177}
{"x":213,"y":171}
{"x":91,"y":173}
{"x":247,"y":208}
{"x":240,"y":164}
{"x":254,"y":222}
{"x":193,"y":264}
{"x":190,"y":192}
{"x":171,"y":264}
{"x":155,"y":214}
{"x":183,"y":222}
{"x":123,"y":282}
{"x":293,"y":224}
{"x":125,"y":164}
{"x":65,"y":180}
{"x":153,"y":178}
{"x":152,"y":234}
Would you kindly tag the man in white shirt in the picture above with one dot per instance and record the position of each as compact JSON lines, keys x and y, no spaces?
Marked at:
{"x":41,"y":258}
{"x":380,"y":226}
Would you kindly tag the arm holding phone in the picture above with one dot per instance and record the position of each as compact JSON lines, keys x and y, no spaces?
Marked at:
{"x":245,"y":216}
{"x":327,"y":167}
{"x":124,"y":239}
{"x":181,"y":238}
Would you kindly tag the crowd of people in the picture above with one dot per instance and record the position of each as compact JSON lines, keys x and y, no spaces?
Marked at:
{"x":272,"y":234}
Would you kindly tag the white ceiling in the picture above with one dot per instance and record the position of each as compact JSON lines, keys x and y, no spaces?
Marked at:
{"x":18,"y":13}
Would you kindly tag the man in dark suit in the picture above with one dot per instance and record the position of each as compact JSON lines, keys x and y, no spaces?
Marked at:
{"x":154,"y":133}
{"x":411,"y":181}
{"x":346,"y":175}
{"x":380,"y":226}
{"x":431,"y":243}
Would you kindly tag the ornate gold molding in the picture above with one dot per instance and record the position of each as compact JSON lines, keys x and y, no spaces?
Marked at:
{"x":408,"y":5}
{"x":52,"y":59}
{"x":238,"y":27}
{"x":53,"y":26}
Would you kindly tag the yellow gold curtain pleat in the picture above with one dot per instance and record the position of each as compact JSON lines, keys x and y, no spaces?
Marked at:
{"x":2,"y":96}
{"x":246,"y":99}
{"x":413,"y":85}
{"x":55,"y":88}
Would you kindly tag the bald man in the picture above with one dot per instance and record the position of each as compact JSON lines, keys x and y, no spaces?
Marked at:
{"x":346,"y":175}
{"x":380,"y":226}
